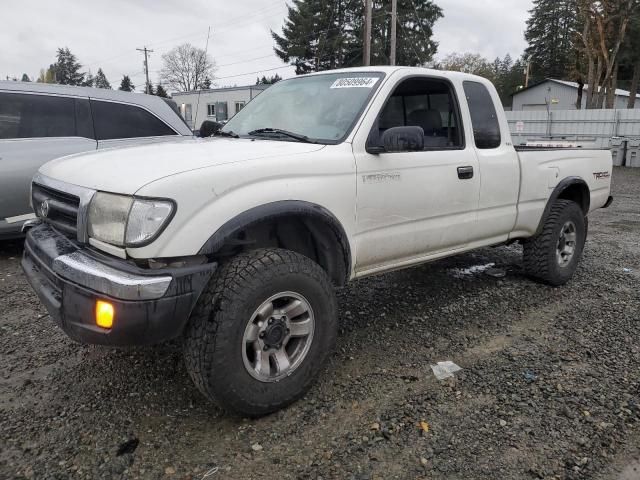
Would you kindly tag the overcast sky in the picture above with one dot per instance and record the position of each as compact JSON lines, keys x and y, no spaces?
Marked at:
{"x":106,"y":33}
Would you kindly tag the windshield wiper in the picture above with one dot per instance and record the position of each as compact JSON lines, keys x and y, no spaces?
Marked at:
{"x":220,"y":133}
{"x":278,"y":131}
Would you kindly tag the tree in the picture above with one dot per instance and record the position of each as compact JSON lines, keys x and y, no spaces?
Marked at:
{"x":551,"y":35}
{"x":206,"y":84}
{"x":101,"y":80}
{"x":186,"y":67}
{"x":326,"y":34}
{"x":506,"y":75}
{"x":604,"y":28}
{"x":46,"y":76}
{"x":630,"y":58}
{"x":467,"y":63}
{"x":25,"y":78}
{"x":67,"y":68}
{"x":89,"y":80}
{"x":161,"y":92}
{"x":268,"y":80}
{"x":126,"y":85}
{"x":149,"y":89}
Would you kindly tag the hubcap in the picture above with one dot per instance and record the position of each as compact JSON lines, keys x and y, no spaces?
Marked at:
{"x":566,"y":244}
{"x":278,"y":337}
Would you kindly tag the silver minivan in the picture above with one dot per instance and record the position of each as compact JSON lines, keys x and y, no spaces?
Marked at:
{"x":40,"y":122}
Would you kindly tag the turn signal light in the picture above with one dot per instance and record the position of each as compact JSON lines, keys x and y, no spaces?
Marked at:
{"x":104,"y":314}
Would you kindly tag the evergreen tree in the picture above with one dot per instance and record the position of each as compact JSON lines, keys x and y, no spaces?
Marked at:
{"x":206,"y":84}
{"x":506,"y":75}
{"x":126,"y":85}
{"x":101,"y":80}
{"x":67,"y":68}
{"x":149,"y":89}
{"x":327,"y":34}
{"x":25,"y":78}
{"x":268,"y":80}
{"x":551,"y":35}
{"x":89,"y":80}
{"x":629,"y":74}
{"x":161,"y":92}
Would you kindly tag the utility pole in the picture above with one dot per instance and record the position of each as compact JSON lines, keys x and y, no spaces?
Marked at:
{"x":394,"y":21}
{"x":146,"y":66}
{"x":366,"y":53}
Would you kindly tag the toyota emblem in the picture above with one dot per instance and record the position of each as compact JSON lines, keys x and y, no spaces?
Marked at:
{"x":44,"y":208}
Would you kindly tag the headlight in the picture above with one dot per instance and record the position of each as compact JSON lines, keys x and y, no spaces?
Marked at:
{"x":126,"y":221}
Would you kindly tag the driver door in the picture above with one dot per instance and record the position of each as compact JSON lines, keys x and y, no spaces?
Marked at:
{"x":415,"y":205}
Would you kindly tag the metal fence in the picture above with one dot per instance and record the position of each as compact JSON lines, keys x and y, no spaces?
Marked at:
{"x":618,"y":130}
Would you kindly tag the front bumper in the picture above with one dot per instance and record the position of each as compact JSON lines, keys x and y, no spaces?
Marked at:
{"x":150,"y":306}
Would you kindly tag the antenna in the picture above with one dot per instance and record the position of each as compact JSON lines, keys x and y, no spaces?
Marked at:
{"x":206,"y":48}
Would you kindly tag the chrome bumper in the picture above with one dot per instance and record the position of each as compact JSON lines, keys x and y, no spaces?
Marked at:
{"x":86,"y":271}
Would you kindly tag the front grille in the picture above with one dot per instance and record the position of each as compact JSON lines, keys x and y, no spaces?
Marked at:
{"x":59,"y":209}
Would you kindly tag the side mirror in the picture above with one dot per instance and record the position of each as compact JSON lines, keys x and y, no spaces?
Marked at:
{"x":209,"y":128}
{"x":400,"y":139}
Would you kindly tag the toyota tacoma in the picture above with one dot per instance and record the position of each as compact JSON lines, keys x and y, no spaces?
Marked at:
{"x":235,"y":243}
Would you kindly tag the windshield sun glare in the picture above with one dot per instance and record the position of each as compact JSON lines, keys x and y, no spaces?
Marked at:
{"x":323,"y":108}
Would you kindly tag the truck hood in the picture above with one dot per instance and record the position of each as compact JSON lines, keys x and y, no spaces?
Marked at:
{"x":127,"y":169}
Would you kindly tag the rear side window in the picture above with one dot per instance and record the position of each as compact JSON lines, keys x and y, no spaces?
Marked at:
{"x":116,"y":120}
{"x":35,"y":116}
{"x":484,"y":119}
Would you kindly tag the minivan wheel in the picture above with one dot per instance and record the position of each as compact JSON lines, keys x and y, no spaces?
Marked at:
{"x":553,"y":255}
{"x":261,"y":331}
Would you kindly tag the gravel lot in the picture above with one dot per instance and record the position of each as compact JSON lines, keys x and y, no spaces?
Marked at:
{"x":550,"y":386}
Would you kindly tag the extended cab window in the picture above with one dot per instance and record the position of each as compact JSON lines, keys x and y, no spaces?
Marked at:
{"x":484,"y":119}
{"x":116,"y":120}
{"x":426,"y":103}
{"x":36,"y":116}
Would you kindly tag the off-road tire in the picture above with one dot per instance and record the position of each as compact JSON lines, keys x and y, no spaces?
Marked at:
{"x":214,"y":335}
{"x":540,"y":261}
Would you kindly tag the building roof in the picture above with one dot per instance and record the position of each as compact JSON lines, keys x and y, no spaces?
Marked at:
{"x":619,"y":92}
{"x":260,"y":86}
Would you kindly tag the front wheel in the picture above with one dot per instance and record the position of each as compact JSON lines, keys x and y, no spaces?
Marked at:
{"x":553,"y":255}
{"x":261,"y":331}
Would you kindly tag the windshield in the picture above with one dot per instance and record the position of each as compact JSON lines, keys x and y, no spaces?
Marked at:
{"x":323,"y":108}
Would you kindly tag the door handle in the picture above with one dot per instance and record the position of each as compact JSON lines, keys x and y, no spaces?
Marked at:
{"x":465,"y":173}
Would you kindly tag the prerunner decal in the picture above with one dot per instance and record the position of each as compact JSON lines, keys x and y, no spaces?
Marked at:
{"x":601,"y":175}
{"x":355,"y":82}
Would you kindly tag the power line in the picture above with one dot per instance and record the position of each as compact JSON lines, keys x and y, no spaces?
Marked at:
{"x":199,"y":34}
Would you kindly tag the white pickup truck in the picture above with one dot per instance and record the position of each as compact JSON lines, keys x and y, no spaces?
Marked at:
{"x":235,"y":243}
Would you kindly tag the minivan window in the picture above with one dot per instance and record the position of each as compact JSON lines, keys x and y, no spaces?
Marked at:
{"x":484,"y":119}
{"x":34,"y":116}
{"x":117,"y":120}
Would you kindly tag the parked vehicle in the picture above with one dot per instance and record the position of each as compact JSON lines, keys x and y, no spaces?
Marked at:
{"x":40,"y":122}
{"x":235,"y":243}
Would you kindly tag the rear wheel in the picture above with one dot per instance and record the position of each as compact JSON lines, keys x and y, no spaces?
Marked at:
{"x":261,"y":331}
{"x":554,"y":254}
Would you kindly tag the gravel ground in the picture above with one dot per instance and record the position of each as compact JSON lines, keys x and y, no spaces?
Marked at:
{"x":550,"y":386}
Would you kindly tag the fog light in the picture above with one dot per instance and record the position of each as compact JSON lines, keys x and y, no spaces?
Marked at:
{"x":104,"y":314}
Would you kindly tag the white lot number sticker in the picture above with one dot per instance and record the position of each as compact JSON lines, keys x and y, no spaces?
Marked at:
{"x":355,"y":82}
